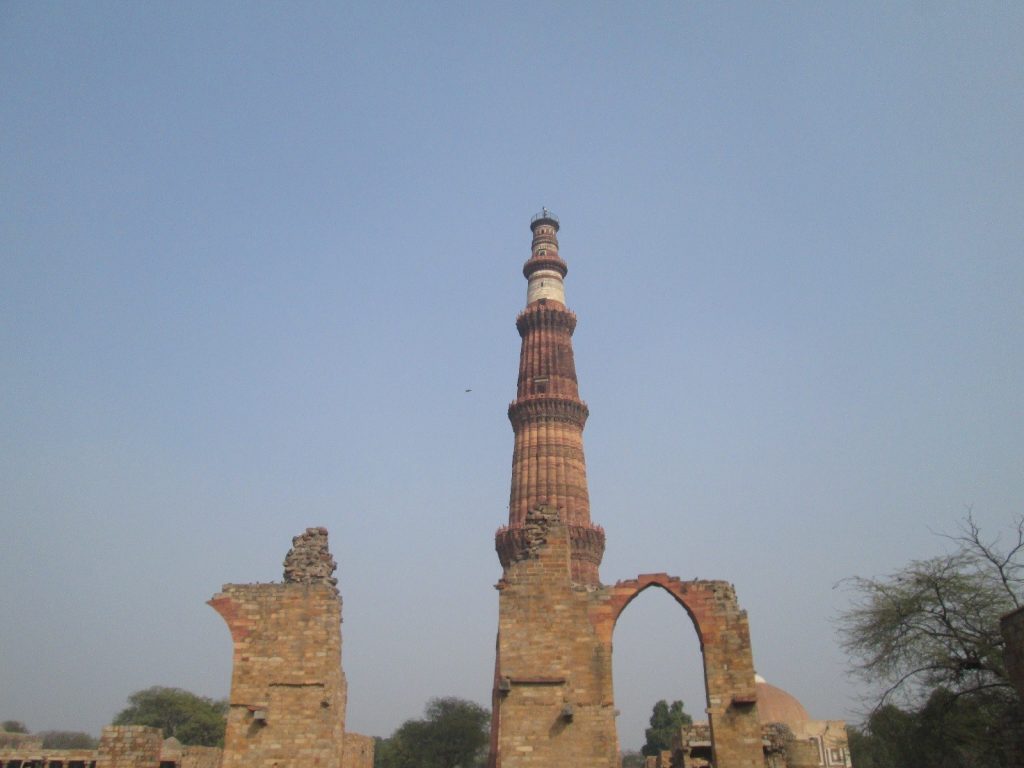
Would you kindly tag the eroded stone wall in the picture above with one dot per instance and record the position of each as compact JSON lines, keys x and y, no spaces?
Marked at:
{"x":553,"y":699}
{"x":553,"y":693}
{"x":288,"y":691}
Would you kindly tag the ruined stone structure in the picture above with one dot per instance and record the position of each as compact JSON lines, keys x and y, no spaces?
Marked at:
{"x":288,"y":690}
{"x":553,"y":703}
{"x":121,"y":746}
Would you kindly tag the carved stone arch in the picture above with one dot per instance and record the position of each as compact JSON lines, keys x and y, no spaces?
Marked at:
{"x":724,"y":636}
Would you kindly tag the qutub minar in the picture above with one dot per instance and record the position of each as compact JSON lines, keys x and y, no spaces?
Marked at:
{"x":552,"y":701}
{"x":548,"y":468}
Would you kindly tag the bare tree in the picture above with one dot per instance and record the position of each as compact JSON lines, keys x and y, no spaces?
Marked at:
{"x":935,"y":623}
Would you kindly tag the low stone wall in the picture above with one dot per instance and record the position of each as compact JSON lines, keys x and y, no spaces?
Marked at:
{"x":30,"y":754}
{"x":126,"y":746}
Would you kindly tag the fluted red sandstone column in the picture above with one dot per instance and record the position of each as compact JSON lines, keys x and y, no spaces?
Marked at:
{"x":548,"y":467}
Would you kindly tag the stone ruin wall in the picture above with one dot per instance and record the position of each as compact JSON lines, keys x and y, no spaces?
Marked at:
{"x":200,"y":757}
{"x":553,"y":694}
{"x":358,"y":751}
{"x":288,"y":690}
{"x":127,"y":746}
{"x":553,"y":701}
{"x":19,"y":750}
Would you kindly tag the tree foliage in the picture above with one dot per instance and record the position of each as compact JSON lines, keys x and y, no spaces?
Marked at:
{"x":928,"y":637}
{"x":935,"y":623}
{"x":13,"y":726}
{"x":189,"y":718}
{"x":947,"y":732}
{"x":454,"y":734}
{"x":666,"y":720}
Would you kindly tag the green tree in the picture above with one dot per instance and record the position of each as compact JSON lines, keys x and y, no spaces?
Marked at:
{"x":13,"y":726}
{"x":928,"y":637}
{"x":665,"y":723}
{"x":187,"y":717}
{"x":454,"y":734}
{"x":67,"y":740}
{"x":947,"y":732}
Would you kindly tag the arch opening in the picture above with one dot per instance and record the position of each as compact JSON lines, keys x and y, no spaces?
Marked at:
{"x":656,"y":654}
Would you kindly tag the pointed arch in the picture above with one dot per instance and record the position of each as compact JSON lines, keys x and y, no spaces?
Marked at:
{"x":724,"y":636}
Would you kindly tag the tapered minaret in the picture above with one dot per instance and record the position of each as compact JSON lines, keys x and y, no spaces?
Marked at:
{"x":553,"y":702}
{"x":548,"y":467}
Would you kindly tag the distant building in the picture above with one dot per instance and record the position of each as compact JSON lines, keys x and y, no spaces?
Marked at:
{"x":790,"y":737}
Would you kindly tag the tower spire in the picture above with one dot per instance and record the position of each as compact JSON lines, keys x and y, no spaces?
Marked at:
{"x":548,"y":465}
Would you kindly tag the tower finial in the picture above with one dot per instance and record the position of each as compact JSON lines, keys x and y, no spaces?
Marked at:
{"x":545,"y":216}
{"x":545,"y":269}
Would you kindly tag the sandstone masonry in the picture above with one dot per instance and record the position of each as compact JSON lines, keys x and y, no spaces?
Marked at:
{"x":552,"y":702}
{"x":288,"y":690}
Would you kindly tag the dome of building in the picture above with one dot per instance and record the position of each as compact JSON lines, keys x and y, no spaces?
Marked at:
{"x":774,"y":705}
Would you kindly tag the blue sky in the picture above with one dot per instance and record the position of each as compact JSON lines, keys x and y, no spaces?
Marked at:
{"x":253,"y":255}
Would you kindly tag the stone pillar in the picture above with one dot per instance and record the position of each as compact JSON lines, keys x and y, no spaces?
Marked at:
{"x":129,"y":746}
{"x":288,"y":691}
{"x":729,"y":677}
{"x":553,"y":686}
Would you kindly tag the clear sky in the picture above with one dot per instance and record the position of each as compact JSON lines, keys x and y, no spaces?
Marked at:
{"x":254,"y":253}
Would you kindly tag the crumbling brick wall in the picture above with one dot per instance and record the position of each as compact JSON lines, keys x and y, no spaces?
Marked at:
{"x":288,"y":691}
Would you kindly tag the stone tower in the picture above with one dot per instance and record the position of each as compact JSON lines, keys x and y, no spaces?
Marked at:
{"x":548,"y":467}
{"x":552,"y":701}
